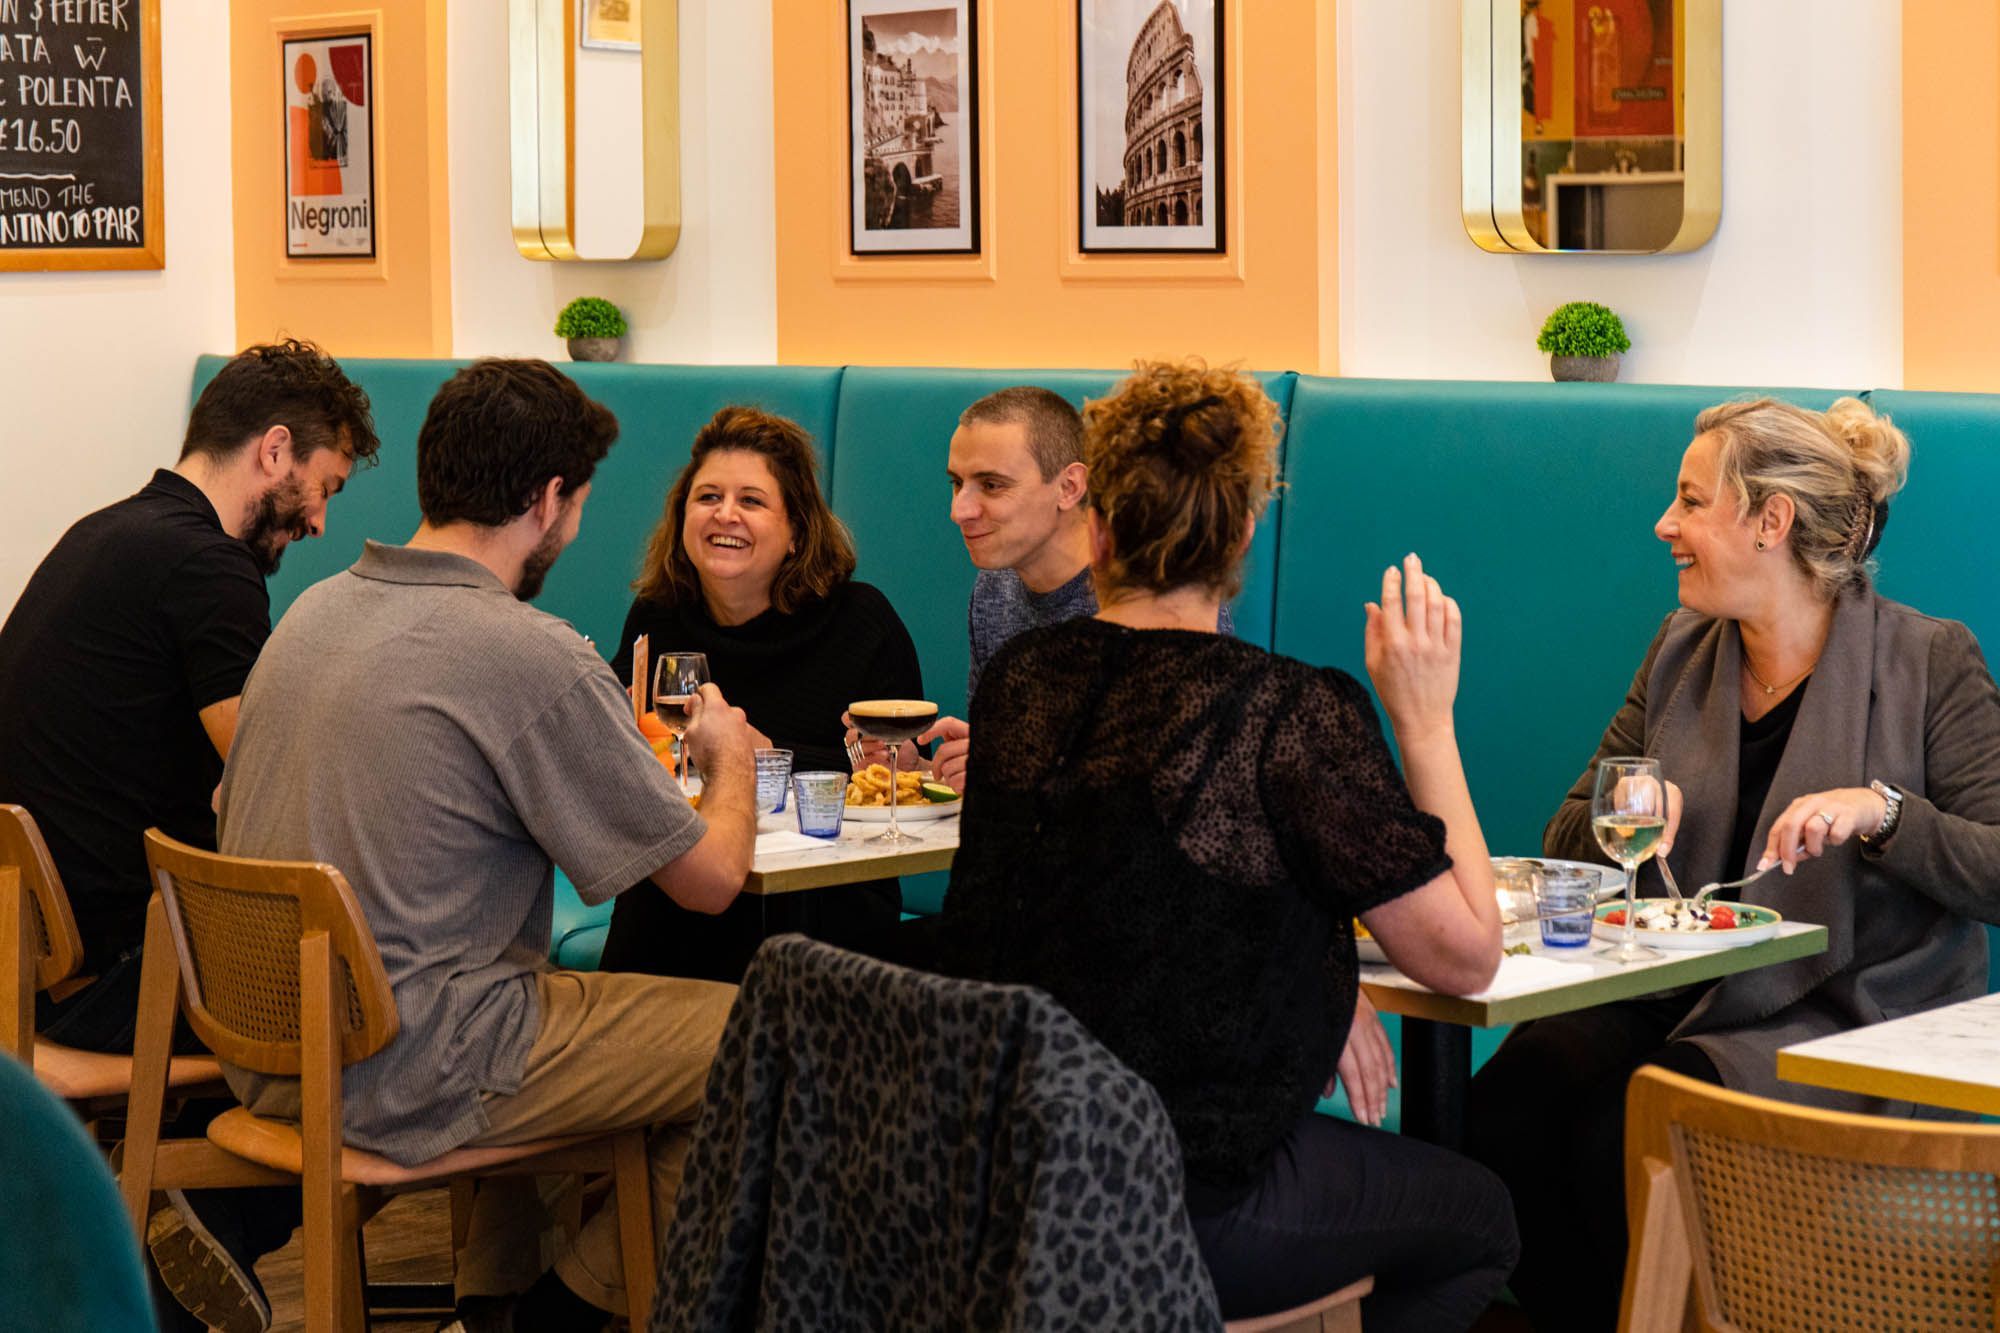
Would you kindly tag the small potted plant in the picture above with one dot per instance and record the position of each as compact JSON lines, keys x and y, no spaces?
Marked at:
{"x":1583,"y":340}
{"x":594,"y":328}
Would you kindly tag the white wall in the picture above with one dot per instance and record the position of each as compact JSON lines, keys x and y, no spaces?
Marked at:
{"x":95,"y":367}
{"x":715,"y":298}
{"x":1802,"y":284}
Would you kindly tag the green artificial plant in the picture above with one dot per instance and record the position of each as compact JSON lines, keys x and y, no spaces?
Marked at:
{"x":1583,"y":328}
{"x":590,"y":317}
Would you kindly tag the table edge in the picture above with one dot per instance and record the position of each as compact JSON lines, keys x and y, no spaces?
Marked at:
{"x":1697,"y":967}
{"x":1892,"y":1084}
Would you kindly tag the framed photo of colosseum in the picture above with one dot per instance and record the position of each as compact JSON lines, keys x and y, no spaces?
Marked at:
{"x":1149,"y":124}
{"x":912,"y":116}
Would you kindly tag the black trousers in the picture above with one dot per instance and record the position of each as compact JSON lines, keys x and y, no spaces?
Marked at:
{"x":104,"y":1017}
{"x":1547,"y":1114}
{"x":651,"y":933}
{"x":1341,"y":1200}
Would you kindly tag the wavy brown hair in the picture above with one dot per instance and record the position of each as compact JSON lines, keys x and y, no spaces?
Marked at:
{"x":822,"y":555}
{"x":1182,"y":457}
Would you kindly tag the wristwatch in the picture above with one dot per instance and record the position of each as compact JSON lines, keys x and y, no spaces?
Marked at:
{"x":1892,"y":799}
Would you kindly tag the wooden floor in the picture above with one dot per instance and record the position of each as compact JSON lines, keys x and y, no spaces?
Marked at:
{"x":408,"y":1241}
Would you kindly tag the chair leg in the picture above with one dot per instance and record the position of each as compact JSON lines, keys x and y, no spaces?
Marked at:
{"x":353,"y":1264}
{"x":461,"y":1212}
{"x":18,"y":965}
{"x":159,"y":1000}
{"x":1342,"y":1319}
{"x":633,"y":1179}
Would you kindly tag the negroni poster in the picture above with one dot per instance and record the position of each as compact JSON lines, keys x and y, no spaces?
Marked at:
{"x":1624,"y":53}
{"x":329,"y":148}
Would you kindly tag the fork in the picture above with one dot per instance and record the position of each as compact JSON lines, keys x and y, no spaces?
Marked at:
{"x":1710,"y":890}
{"x":855,"y":757}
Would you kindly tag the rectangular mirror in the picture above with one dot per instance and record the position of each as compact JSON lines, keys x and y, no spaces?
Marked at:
{"x":1591,"y":126}
{"x":594,"y":90}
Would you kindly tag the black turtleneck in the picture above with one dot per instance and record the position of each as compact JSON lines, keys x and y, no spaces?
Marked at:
{"x":793,"y":674}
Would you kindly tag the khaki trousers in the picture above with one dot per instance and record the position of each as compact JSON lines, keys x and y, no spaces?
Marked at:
{"x":616,"y":1050}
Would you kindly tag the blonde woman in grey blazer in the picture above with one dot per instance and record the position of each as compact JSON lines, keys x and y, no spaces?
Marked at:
{"x":1802,"y":721}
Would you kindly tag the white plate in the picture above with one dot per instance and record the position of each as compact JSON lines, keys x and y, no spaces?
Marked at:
{"x":1610,"y":882}
{"x":1686,"y":941}
{"x":905,"y":814}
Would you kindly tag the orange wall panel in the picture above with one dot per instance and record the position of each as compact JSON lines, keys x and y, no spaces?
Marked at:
{"x":398,"y":303}
{"x":1030,"y":299}
{"x":1951,"y":195}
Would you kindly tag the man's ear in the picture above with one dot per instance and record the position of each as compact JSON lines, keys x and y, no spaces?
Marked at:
{"x":273,"y":451}
{"x":548,"y":506}
{"x":1072,"y":483}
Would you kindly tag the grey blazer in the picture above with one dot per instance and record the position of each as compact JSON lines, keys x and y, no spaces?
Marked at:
{"x":1897,"y":695}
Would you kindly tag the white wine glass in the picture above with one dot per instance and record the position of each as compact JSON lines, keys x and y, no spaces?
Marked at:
{"x":1628,"y":813}
{"x":893,"y":721}
{"x":677,"y":677}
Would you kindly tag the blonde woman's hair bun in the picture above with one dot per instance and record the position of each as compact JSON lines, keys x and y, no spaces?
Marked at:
{"x":1881,"y":451}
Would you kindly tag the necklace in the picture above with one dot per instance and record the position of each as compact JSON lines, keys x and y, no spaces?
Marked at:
{"x":1770,"y":688}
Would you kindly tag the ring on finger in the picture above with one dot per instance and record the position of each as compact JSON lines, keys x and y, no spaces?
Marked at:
{"x":1821,"y":814}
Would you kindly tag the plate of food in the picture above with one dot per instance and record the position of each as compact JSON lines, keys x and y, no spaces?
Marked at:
{"x":917,"y":797}
{"x":1666,"y":924}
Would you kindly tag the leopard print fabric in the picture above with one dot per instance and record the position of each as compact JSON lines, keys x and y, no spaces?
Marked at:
{"x":887,"y":1149}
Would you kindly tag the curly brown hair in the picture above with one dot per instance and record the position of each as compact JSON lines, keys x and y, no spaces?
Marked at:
{"x":1182,"y":458}
{"x":290,"y":383}
{"x":822,"y":556}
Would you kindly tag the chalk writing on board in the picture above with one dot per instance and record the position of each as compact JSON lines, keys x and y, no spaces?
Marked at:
{"x":72,"y":125}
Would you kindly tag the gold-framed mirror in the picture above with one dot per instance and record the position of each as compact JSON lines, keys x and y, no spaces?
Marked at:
{"x":602,"y":76}
{"x":1591,"y":126}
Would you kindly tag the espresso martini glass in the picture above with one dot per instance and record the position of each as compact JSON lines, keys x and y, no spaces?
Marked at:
{"x":893,"y":721}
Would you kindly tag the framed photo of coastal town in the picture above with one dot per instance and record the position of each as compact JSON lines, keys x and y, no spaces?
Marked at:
{"x":329,"y":147}
{"x":912,"y":115}
{"x":1149,"y":126}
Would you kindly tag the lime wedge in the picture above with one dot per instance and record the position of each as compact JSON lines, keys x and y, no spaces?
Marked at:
{"x":937,"y":793}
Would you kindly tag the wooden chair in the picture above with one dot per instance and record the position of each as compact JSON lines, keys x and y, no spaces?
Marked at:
{"x":40,"y":950}
{"x":1784,"y":1218}
{"x":279,"y":974}
{"x":1335,"y":1312}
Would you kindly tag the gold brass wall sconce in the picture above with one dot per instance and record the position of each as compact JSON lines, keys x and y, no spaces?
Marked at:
{"x":544,"y":37}
{"x":1591,"y":126}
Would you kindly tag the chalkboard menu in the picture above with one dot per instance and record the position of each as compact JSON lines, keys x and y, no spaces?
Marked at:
{"x":80,"y":182}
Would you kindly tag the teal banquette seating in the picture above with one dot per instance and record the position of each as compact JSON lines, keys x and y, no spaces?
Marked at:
{"x":1534,"y":503}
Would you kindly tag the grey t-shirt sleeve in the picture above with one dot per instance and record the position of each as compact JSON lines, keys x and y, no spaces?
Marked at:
{"x":589,"y":790}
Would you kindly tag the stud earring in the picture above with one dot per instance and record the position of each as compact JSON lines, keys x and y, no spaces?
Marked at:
{"x":1760,"y":543}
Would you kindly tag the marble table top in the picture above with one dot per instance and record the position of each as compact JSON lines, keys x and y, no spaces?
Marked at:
{"x":787,"y":861}
{"x":1948,"y":1056}
{"x":1557,"y":981}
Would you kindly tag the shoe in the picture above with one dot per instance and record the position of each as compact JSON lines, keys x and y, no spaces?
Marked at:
{"x":209,"y":1282}
{"x":482,"y":1314}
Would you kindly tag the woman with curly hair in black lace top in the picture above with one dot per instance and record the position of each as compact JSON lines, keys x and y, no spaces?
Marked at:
{"x":1172,"y":832}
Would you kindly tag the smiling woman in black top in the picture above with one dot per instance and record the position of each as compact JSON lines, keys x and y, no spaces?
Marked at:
{"x":750,"y":566}
{"x":1172,"y":832}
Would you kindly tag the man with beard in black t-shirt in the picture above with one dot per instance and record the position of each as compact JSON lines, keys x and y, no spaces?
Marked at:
{"x":120,"y":669}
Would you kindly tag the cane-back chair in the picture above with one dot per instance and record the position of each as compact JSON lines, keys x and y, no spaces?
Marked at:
{"x":278,"y":973}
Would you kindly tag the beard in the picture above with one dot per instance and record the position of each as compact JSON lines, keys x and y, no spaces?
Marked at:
{"x":278,"y":519}
{"x":538,"y":564}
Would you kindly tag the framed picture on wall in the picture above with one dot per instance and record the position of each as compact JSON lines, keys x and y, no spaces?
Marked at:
{"x":608,"y":25}
{"x":1149,"y":125}
{"x":912,"y":117}
{"x":329,"y":147}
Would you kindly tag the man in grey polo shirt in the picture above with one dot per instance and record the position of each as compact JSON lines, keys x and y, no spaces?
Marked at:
{"x":416,"y":723}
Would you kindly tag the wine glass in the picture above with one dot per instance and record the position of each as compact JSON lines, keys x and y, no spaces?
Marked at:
{"x":893,"y":721}
{"x":1628,"y":813}
{"x":676,"y":678}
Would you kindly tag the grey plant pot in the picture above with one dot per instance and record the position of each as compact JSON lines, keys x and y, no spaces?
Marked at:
{"x":594,"y":349}
{"x":1593,"y":369}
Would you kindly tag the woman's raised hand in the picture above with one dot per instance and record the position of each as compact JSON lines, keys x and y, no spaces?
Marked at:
{"x":1411,"y":647}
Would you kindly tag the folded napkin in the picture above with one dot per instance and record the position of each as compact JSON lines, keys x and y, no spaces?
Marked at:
{"x":781,"y":841}
{"x":1521,"y":973}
